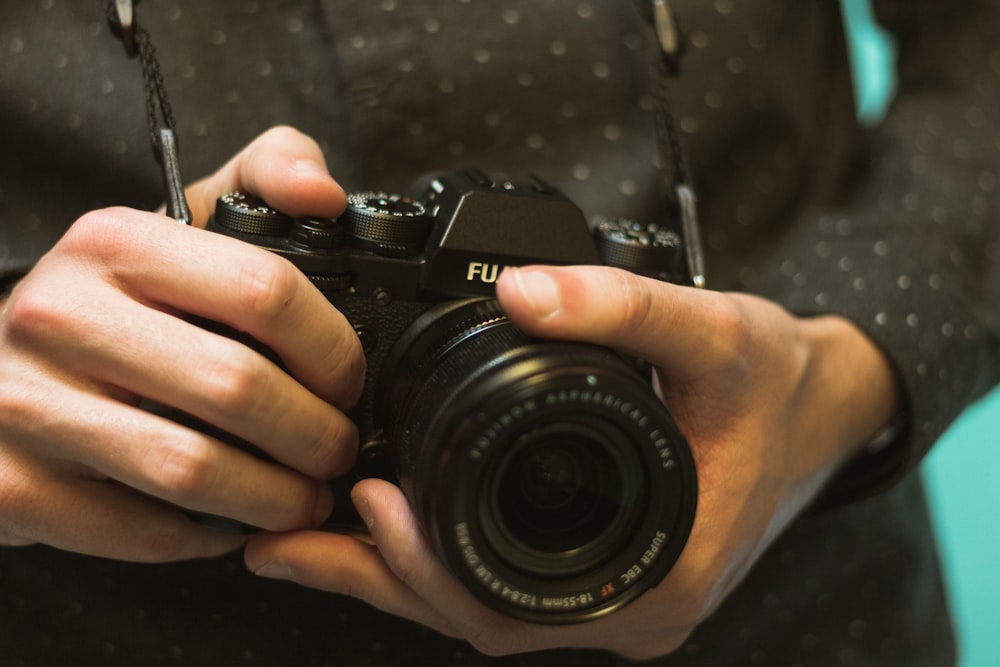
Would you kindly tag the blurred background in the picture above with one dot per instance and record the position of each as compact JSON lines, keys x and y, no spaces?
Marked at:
{"x":962,"y":470}
{"x":961,"y":474}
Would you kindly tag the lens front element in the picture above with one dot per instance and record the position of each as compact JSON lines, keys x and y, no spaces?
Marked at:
{"x":564,"y":497}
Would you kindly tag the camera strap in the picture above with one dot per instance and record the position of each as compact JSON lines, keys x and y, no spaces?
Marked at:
{"x":121,"y":18}
{"x":676,"y":182}
{"x":678,"y":190}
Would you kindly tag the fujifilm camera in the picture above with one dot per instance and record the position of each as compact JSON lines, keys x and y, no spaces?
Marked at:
{"x":547,"y":474}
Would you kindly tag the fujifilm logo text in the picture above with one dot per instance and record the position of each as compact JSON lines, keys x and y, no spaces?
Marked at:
{"x":483,"y":272}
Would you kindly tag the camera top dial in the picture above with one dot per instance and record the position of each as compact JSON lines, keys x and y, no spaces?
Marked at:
{"x":650,"y":250}
{"x":385,"y":224}
{"x":246,"y":214}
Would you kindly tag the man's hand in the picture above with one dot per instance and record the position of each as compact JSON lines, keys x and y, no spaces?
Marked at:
{"x":772,"y":406}
{"x":99,"y":324}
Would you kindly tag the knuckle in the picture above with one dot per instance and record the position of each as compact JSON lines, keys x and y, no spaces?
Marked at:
{"x":102,"y":233}
{"x":236,"y":381}
{"x":634,"y":302}
{"x":731,"y":334}
{"x":332,"y":452}
{"x":287,"y":502}
{"x":343,"y":368}
{"x":184,"y":472}
{"x":17,"y":411}
{"x":49,"y":302}
{"x":268,"y":287}
{"x":35,"y":314}
{"x":293,"y":508}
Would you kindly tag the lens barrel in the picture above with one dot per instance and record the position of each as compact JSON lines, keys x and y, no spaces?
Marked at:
{"x":547,"y":474}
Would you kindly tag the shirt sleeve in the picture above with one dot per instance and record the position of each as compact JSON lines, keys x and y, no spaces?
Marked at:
{"x":911,"y":251}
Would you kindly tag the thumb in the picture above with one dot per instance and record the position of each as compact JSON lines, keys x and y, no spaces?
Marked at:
{"x":283,"y":167}
{"x":668,"y":325}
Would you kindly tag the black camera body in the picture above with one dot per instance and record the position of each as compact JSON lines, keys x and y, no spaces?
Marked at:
{"x":547,"y":475}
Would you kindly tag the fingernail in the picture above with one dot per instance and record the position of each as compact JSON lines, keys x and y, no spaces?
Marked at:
{"x":540,"y":291}
{"x":365,"y":510}
{"x":275,"y":570}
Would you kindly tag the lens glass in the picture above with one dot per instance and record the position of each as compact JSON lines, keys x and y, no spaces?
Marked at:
{"x":560,"y":489}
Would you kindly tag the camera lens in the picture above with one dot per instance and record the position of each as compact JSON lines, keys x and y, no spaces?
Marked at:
{"x":547,"y":475}
{"x":563,"y":498}
{"x":557,"y":494}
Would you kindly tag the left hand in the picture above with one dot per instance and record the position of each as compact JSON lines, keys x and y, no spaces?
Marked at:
{"x":772,"y":406}
{"x":100,"y":323}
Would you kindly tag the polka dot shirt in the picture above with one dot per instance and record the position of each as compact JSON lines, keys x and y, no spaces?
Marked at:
{"x":894,"y":227}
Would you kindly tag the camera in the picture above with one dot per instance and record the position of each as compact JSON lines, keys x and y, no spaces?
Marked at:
{"x":547,"y":475}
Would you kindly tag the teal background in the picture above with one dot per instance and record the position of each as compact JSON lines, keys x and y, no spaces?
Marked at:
{"x":961,"y":474}
{"x":962,"y":470}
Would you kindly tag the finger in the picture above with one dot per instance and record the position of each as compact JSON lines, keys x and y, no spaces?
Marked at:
{"x":218,"y":380}
{"x":254,"y":291}
{"x":339,"y":564}
{"x":409,"y":556}
{"x":161,"y":458}
{"x":411,"y":559}
{"x":669,"y":325}
{"x":284,"y":167}
{"x":99,"y":518}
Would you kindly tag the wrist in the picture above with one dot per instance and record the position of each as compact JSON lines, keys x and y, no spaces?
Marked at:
{"x":850,"y":396}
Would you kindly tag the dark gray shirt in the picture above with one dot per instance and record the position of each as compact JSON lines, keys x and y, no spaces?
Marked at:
{"x":895,"y":228}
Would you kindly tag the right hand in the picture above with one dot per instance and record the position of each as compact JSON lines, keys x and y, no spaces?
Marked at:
{"x":99,"y":325}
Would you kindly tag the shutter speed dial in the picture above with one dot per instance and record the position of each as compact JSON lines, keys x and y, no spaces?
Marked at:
{"x":246,"y":214}
{"x":386,"y":224}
